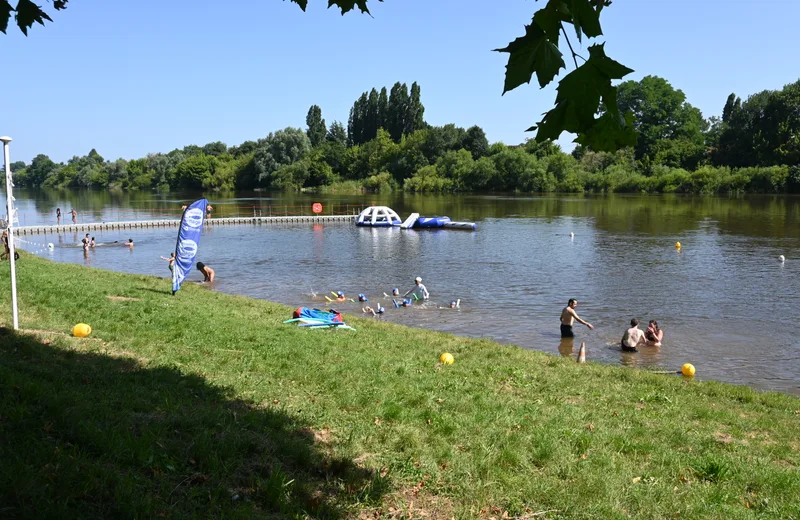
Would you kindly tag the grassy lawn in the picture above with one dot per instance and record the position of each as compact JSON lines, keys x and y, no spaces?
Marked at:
{"x":206,"y":405}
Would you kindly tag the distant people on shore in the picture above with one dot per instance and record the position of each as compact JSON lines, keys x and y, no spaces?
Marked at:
{"x":74,"y":216}
{"x":419,"y":291}
{"x":58,"y":215}
{"x":654,"y":334}
{"x":568,"y":317}
{"x":171,"y":260}
{"x":208,"y":273}
{"x":633,"y":337}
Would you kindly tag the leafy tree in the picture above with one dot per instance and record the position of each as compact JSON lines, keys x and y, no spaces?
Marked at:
{"x":40,"y":169}
{"x":194,"y":171}
{"x":337,"y":133}
{"x":475,"y":142}
{"x":245,"y":148}
{"x":764,"y":130}
{"x":192,"y":149}
{"x":316,"y":126}
{"x":662,"y":114}
{"x":278,"y":149}
{"x":17,"y":166}
{"x":441,"y":139}
{"x":215,"y":149}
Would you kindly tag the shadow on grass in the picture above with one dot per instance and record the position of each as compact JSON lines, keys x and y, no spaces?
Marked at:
{"x":89,"y":435}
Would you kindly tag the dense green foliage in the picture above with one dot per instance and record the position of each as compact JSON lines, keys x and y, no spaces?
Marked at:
{"x":754,"y":148}
{"x":205,"y":405}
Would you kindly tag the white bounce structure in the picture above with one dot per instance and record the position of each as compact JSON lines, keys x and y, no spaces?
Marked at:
{"x":378,"y":216}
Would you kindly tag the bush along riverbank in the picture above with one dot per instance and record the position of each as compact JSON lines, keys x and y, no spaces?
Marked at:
{"x":206,"y":404}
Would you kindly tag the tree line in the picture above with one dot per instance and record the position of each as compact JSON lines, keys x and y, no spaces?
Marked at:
{"x":387,"y":145}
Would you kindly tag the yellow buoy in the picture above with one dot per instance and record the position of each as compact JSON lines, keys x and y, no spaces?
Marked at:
{"x":677,"y":245}
{"x":687,"y":369}
{"x":447,"y":358}
{"x":81,"y":330}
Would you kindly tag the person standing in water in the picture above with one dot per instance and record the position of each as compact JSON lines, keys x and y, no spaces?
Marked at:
{"x":208,"y":273}
{"x":418,"y":290}
{"x":58,"y":216}
{"x":92,"y":243}
{"x":568,"y":317}
{"x":86,"y":241}
{"x":74,"y":216}
{"x":171,"y":260}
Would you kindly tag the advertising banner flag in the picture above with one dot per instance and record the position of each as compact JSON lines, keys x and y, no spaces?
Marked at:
{"x":188,"y":241}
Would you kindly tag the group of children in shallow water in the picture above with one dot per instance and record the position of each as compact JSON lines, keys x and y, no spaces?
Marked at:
{"x":417,"y":292}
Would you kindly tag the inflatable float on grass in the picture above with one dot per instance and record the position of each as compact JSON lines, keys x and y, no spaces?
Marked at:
{"x":316,"y":318}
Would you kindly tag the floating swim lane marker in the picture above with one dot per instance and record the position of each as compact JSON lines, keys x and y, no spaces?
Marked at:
{"x":447,"y":358}
{"x":81,"y":330}
{"x":688,"y":370}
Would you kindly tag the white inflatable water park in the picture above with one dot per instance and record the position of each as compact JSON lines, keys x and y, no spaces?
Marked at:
{"x":383,"y":216}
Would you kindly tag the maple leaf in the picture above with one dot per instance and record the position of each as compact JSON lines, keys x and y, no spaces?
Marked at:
{"x":29,"y":13}
{"x":531,"y":53}
{"x":579,"y":99}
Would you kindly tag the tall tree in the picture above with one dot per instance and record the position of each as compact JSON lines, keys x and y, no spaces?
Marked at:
{"x":414,"y":119}
{"x":371,"y":125}
{"x":316,"y":126}
{"x":337,"y":133}
{"x":732,"y":104}
{"x":383,"y":108}
{"x":356,"y":124}
{"x":397,"y":110}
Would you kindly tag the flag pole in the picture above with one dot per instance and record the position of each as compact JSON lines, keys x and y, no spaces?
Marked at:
{"x":11,"y":217}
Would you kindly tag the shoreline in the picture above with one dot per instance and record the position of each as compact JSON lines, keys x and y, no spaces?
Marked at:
{"x":176,"y":405}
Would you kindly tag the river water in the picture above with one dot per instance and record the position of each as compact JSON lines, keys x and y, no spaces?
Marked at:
{"x":724,"y":300}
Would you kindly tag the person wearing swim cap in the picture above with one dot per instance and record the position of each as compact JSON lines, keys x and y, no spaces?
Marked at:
{"x":395,"y":292}
{"x":362,"y":298}
{"x":418,"y":290}
{"x":340,"y":297}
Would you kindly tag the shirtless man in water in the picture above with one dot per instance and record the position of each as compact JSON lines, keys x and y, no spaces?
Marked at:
{"x":568,"y":317}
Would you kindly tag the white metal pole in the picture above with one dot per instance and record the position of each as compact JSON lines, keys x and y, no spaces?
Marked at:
{"x":10,"y":206}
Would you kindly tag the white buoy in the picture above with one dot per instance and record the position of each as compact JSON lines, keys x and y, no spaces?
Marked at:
{"x":571,"y":234}
{"x":782,"y":258}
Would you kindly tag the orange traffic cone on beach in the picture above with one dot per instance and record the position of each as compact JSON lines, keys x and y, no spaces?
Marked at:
{"x":582,"y":353}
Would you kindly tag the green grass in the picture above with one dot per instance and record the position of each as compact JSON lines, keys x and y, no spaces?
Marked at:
{"x":206,"y":405}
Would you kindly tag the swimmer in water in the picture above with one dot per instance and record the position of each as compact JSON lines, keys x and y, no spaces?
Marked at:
{"x":92,"y":243}
{"x":340,"y":297}
{"x":129,"y":243}
{"x":374,"y":312}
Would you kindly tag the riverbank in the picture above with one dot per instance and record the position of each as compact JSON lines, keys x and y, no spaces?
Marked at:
{"x":205,"y":404}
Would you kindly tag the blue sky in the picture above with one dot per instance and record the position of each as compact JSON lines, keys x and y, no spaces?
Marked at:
{"x":129,"y":78}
